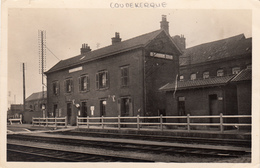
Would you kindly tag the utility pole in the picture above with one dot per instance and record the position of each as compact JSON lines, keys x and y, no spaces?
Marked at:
{"x":42,"y":62}
{"x":23,"y":88}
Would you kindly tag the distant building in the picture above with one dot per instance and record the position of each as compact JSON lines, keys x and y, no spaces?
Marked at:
{"x":121,"y":79}
{"x":14,"y":111}
{"x":35,"y":101}
{"x":213,"y":78}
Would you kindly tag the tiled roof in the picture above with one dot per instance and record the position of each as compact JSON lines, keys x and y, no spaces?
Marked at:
{"x":236,"y":45}
{"x":36,"y":96}
{"x":139,"y":41}
{"x":199,"y":83}
{"x":244,"y":75}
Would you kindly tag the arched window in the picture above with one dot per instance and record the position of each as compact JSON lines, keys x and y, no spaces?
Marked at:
{"x":181,"y":78}
{"x":206,"y":75}
{"x":235,"y":70}
{"x":220,"y":72}
{"x":193,"y":76}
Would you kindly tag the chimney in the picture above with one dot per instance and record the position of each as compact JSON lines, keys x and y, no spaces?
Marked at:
{"x":180,"y":41}
{"x":165,"y":24}
{"x":116,"y":39}
{"x":85,"y":48}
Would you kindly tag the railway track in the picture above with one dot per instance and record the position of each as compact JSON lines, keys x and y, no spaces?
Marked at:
{"x":161,"y":138}
{"x":140,"y":146}
{"x":17,"y":152}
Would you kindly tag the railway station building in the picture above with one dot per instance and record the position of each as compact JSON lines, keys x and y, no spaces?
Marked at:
{"x":214,"y":78}
{"x":120,"y":79}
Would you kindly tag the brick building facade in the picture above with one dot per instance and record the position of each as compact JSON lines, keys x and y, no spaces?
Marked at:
{"x":121,"y":79}
{"x":214,"y":78}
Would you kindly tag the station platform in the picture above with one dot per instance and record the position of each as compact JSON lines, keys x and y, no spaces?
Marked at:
{"x":152,"y":131}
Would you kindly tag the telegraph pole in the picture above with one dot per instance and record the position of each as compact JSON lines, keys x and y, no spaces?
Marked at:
{"x":23,"y":88}
{"x":42,"y":62}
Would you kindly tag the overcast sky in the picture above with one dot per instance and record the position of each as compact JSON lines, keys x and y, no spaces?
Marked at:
{"x":67,"y":29}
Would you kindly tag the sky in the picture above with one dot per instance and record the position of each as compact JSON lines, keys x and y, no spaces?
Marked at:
{"x":67,"y":29}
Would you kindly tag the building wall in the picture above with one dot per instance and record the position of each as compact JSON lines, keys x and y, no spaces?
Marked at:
{"x":159,"y":72}
{"x":244,"y":93}
{"x":35,"y":105}
{"x":212,"y":66}
{"x":134,"y":91}
{"x":196,"y":101}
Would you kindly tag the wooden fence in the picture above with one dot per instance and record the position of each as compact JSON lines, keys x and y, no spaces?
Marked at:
{"x":187,"y":121}
{"x":60,"y":121}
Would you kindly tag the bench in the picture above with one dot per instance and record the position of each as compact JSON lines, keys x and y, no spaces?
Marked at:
{"x":15,"y":120}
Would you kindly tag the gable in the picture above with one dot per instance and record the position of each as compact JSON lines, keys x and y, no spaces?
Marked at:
{"x":163,"y":43}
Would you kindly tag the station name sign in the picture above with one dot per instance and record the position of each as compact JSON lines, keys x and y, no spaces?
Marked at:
{"x":75,"y":69}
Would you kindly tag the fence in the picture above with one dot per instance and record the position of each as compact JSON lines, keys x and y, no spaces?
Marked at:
{"x":61,"y":121}
{"x":186,"y":121}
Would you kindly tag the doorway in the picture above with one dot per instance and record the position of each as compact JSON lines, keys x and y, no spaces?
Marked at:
{"x":84,"y":109}
{"x":125,"y":108}
{"x":103,"y":104}
{"x":213,"y":107}
{"x":69,"y":112}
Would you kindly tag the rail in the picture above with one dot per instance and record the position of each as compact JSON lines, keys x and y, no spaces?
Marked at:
{"x":220,"y":121}
{"x":57,"y":121}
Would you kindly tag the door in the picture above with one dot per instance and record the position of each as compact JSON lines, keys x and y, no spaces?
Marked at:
{"x":103,"y":104}
{"x":69,"y":112}
{"x":84,"y":109}
{"x":125,"y":108}
{"x":55,"y":110}
{"x":213,"y":107}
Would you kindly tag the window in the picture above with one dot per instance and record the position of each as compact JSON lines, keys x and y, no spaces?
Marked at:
{"x":205,"y":75}
{"x":125,"y":76}
{"x":102,"y":80}
{"x":220,"y":72}
{"x":235,"y":70}
{"x":193,"y":76}
{"x":181,"y":78}
{"x":83,"y":83}
{"x":68,"y":85}
{"x":55,"y":87}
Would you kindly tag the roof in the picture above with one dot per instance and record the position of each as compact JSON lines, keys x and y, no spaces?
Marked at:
{"x":232,"y":46}
{"x":199,"y":83}
{"x":36,"y":96}
{"x":244,"y":75}
{"x":139,"y":41}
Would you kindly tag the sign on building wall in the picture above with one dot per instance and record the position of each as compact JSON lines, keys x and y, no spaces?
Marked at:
{"x":75,"y":69}
{"x":92,"y":108}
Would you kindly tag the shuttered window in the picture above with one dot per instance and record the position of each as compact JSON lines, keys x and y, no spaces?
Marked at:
{"x":125,"y":76}
{"x":55,"y":87}
{"x":102,"y":81}
{"x":68,"y":85}
{"x":83,"y":83}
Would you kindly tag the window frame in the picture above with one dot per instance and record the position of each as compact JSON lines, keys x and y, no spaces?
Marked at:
{"x":124,"y":76}
{"x":66,"y":85}
{"x":56,"y":90}
{"x":194,"y":75}
{"x":100,"y":80}
{"x":205,"y":75}
{"x":81,"y":85}
{"x":235,"y":71}
{"x":181,"y":78}
{"x":219,"y":72}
